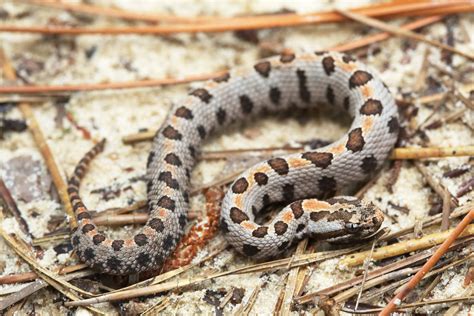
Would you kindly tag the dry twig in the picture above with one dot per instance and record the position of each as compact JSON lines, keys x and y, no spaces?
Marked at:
{"x":402,"y":32}
{"x":462,"y":229}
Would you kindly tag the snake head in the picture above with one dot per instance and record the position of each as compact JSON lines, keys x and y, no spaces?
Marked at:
{"x":357,"y":218}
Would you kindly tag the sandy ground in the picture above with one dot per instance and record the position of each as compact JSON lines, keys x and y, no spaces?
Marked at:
{"x":114,"y":114}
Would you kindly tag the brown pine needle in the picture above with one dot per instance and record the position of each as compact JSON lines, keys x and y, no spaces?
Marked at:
{"x":256,"y":22}
{"x":156,"y":18}
{"x":35,"y":89}
{"x":114,"y":12}
{"x":462,"y":229}
{"x":370,"y":39}
{"x":107,"y":86}
{"x":402,"y":32}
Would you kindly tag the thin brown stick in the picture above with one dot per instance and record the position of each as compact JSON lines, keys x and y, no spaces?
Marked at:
{"x":370,"y":39}
{"x":106,"y":86}
{"x":40,"y":141}
{"x":454,"y":234}
{"x":433,"y":183}
{"x":256,"y":22}
{"x":114,"y":12}
{"x":402,"y":32}
{"x":364,"y":41}
{"x":11,"y":207}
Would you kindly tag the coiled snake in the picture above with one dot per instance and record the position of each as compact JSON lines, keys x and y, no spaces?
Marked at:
{"x":276,"y":84}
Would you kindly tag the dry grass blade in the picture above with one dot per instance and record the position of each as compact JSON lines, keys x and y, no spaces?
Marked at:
{"x":36,"y":286}
{"x":402,"y":32}
{"x":300,"y":260}
{"x":157,"y":307}
{"x":246,"y":308}
{"x":370,"y":39}
{"x":290,"y":288}
{"x":51,"y":278}
{"x":403,"y":247}
{"x":40,"y":141}
{"x":434,"y":184}
{"x":461,"y":229}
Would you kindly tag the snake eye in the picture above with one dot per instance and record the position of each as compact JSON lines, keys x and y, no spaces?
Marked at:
{"x":353,"y":227}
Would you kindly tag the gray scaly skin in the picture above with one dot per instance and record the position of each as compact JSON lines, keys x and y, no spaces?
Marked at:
{"x":276,"y":84}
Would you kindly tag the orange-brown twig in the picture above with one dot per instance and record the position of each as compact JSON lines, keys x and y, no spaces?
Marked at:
{"x":105,"y":86}
{"x":156,"y":18}
{"x":258,"y":22}
{"x":406,"y":289}
{"x":364,"y":41}
{"x":403,"y":32}
{"x":114,"y":12}
{"x":370,"y":39}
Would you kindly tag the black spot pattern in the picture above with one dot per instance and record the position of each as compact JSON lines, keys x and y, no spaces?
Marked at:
{"x":202,"y":94}
{"x":89,"y":254}
{"x":143,"y":259}
{"x":171,"y":133}
{"x":168,"y":243}
{"x":279,"y":165}
{"x":369,"y":164}
{"x":371,"y":107}
{"x":83,"y":215}
{"x":202,"y":131}
{"x":157,"y":225}
{"x":319,"y":159}
{"x":140,"y":239}
{"x":250,"y":250}
{"x":87,"y":228}
{"x":261,"y":178}
{"x":263,"y":68}
{"x":330,"y":95}
{"x":355,"y":142}
{"x":221,"y":115}
{"x":151,"y":156}
{"x":240,"y":186}
{"x":275,"y":95}
{"x":260,"y":232}
{"x":113,"y":264}
{"x":288,"y":192}
{"x":359,"y":78}
{"x":280,"y":227}
{"x":166,"y":202}
{"x":297,"y":209}
{"x":167,"y":178}
{"x":184,"y":112}
{"x":393,"y":125}
{"x":117,"y":244}
{"x":246,"y":104}
{"x":328,"y":65}
{"x":173,"y":159}
{"x":237,"y":216}
{"x":327,"y":185}
{"x":222,"y":78}
{"x":305,"y":95}
{"x":98,"y":239}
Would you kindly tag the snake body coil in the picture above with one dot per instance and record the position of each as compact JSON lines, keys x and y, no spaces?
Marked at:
{"x":276,"y":84}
